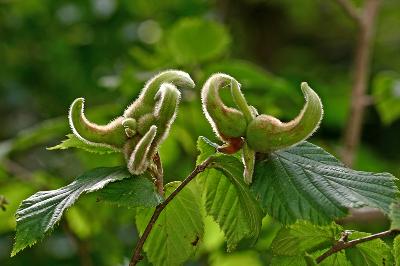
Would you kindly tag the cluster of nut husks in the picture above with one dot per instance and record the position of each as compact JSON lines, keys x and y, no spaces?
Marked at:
{"x":146,"y":122}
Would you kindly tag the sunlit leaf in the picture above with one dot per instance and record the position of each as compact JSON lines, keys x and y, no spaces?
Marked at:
{"x":131,"y":192}
{"x":227,"y":198}
{"x":239,"y":258}
{"x":299,"y":260}
{"x":304,"y":237}
{"x":336,"y":259}
{"x":39,"y":213}
{"x":178,"y":231}
{"x":372,"y":253}
{"x":305,"y":182}
{"x":73,"y":142}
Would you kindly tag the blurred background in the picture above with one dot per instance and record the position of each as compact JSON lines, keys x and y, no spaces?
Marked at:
{"x":52,"y":52}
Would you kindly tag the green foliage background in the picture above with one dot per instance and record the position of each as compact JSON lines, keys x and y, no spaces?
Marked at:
{"x":52,"y":52}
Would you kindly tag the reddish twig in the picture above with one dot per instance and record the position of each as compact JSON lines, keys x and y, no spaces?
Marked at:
{"x":343,"y":243}
{"x":159,"y":174}
{"x":136,"y":257}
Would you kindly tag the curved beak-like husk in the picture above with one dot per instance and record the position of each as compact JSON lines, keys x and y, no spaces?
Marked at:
{"x":266,"y":133}
{"x":112,"y":134}
{"x":227,"y":122}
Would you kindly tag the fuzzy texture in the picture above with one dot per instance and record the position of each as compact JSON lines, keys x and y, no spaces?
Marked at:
{"x":144,"y":125}
{"x":164,"y":114}
{"x":248,"y":159}
{"x":129,"y":123}
{"x":141,"y":158}
{"x":130,"y":126}
{"x":168,"y":99}
{"x":110,"y":135}
{"x":239,"y":99}
{"x":145,"y":122}
{"x":266,"y":133}
{"x":227,"y":122}
{"x":147,"y":98}
{"x":245,"y":129}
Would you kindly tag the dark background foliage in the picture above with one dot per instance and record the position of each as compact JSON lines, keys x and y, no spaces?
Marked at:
{"x":52,"y":52}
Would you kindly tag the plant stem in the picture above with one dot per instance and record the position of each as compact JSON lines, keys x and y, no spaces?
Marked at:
{"x":136,"y":257}
{"x":365,"y":21}
{"x":159,"y":174}
{"x":343,"y":243}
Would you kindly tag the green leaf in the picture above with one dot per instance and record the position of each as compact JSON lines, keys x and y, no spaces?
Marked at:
{"x":396,"y":250}
{"x":299,"y":260}
{"x":206,"y":147}
{"x":73,"y":142}
{"x":305,"y":182}
{"x":131,"y":192}
{"x":38,"y":214}
{"x":227,"y":198}
{"x":371,"y":253}
{"x":304,"y":237}
{"x":194,"y":40}
{"x":386,"y":93}
{"x":395,"y":215}
{"x":336,"y":259}
{"x":238,"y":258}
{"x":179,"y":228}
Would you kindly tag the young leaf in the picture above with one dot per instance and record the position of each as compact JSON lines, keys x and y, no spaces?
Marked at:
{"x":305,"y":182}
{"x":206,"y":148}
{"x":299,"y":260}
{"x":38,"y":214}
{"x":228,"y":199}
{"x":374,"y":253}
{"x":178,"y":230}
{"x":131,"y":192}
{"x":73,"y":142}
{"x":304,"y":237}
{"x":336,"y":259}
